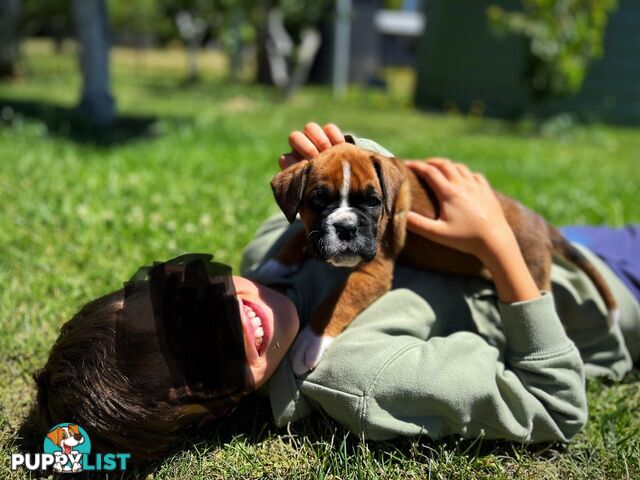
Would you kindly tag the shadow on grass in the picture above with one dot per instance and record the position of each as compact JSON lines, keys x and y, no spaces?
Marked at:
{"x":253,"y":423}
{"x":66,"y":122}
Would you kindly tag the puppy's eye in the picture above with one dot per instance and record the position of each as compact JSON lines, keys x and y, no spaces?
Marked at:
{"x":368,"y":198}
{"x":319,"y":199}
{"x":372,"y":201}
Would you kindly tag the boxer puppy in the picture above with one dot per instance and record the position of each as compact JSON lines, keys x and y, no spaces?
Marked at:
{"x":353,"y":204}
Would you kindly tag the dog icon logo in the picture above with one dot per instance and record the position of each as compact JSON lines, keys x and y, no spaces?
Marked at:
{"x":67,"y":449}
{"x":69,"y":443}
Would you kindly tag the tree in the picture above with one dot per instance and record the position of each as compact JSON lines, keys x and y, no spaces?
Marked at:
{"x":92,"y":28}
{"x":10,"y":11}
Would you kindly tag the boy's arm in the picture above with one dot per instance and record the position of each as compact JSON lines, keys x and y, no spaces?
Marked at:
{"x":385,"y":377}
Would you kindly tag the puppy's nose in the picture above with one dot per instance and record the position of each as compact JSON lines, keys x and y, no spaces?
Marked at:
{"x":77,"y":437}
{"x":346,"y":229}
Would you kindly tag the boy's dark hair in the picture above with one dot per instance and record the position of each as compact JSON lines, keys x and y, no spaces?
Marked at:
{"x":122,"y":411}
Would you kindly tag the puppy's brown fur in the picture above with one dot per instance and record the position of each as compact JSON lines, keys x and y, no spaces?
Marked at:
{"x":401,"y":190}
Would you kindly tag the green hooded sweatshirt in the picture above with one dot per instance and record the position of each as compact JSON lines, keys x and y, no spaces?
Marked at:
{"x":440,"y":354}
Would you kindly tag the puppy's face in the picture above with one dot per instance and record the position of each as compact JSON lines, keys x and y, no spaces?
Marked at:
{"x":341,"y":196}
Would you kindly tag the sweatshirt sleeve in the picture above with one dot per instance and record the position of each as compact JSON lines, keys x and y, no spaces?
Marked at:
{"x":271,"y":234}
{"x":457,"y":384}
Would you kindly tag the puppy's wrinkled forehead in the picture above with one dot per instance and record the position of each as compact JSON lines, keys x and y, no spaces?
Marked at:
{"x":344,"y":168}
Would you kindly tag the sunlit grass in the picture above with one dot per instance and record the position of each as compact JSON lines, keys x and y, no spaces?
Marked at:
{"x":78,"y":218}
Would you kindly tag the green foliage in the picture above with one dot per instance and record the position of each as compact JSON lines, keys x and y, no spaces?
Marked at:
{"x":565,"y":36}
{"x":299,"y":14}
{"x":156,"y":18}
{"x":53,"y":17}
{"x":139,"y":18}
{"x":225,"y":18}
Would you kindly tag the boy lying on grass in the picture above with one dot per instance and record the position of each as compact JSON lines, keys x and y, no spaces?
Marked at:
{"x":437,"y":355}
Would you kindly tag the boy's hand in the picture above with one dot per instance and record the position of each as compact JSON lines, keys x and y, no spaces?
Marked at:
{"x":310,"y":142}
{"x":471,"y":218}
{"x":472,"y":221}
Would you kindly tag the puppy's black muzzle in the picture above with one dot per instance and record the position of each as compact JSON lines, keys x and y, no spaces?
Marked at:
{"x":346,"y":230}
{"x":336,"y":239}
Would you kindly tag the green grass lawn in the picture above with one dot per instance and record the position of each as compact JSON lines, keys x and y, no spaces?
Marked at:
{"x":80,"y":213}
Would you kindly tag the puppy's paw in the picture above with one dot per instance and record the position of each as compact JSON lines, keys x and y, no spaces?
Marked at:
{"x":274,"y":268}
{"x":308,"y":349}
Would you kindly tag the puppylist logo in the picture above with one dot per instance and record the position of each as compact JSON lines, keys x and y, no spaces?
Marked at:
{"x":67,"y":449}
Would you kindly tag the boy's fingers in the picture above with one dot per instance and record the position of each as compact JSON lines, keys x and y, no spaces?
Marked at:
{"x":334,"y":133}
{"x":302,"y":145}
{"x":464,"y":171}
{"x":317,"y":135}
{"x":440,"y":184}
{"x":288,"y":159}
{"x":447,"y":167}
{"x":481,"y":179}
{"x":423,"y":226}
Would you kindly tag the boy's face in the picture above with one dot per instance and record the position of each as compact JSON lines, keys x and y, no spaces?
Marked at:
{"x":269,"y":322}
{"x":269,"y":325}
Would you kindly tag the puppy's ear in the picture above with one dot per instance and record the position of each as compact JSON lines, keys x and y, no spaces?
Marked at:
{"x":74,"y":429}
{"x":55,"y":436}
{"x":390,"y":177}
{"x":288,"y":188}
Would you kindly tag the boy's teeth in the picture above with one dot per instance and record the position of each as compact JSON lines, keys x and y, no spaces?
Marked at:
{"x":249,"y":311}
{"x":258,"y":331}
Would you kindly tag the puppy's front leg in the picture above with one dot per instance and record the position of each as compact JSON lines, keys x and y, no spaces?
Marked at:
{"x":364,"y":285}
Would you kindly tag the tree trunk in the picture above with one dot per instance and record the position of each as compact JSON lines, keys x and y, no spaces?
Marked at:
{"x":263,"y":73}
{"x":92,"y":27}
{"x":10,"y":11}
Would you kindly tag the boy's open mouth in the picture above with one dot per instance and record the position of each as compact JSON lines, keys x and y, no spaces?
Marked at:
{"x":258,"y":324}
